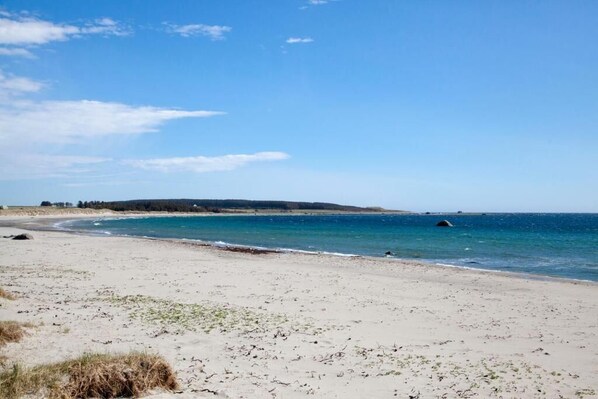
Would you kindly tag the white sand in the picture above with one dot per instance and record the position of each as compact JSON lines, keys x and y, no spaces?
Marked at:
{"x":291,"y":325}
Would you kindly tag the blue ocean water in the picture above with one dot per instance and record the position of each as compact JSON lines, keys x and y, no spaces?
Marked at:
{"x":561,"y":245}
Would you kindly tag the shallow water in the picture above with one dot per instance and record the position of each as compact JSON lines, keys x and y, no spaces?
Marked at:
{"x":562,"y":245}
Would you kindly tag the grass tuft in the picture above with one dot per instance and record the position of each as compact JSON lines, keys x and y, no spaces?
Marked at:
{"x":90,"y":376}
{"x":6,"y":295}
{"x":11,"y":331}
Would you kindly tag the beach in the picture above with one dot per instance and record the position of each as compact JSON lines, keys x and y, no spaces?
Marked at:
{"x":291,"y":325}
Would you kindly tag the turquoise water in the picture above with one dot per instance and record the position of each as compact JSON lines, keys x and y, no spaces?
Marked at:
{"x":562,"y":245}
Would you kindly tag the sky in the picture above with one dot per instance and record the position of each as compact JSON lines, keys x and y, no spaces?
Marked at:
{"x":413,"y":105}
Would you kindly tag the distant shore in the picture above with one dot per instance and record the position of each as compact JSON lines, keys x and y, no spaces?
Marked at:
{"x":19,"y":211}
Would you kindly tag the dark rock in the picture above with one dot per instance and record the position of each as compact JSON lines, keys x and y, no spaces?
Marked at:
{"x":388,"y":253}
{"x":444,"y":223}
{"x":23,"y":237}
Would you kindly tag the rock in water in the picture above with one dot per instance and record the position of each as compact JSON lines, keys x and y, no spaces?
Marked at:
{"x":444,"y":223}
{"x":23,"y":237}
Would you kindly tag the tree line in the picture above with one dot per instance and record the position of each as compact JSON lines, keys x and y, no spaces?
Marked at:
{"x":57,"y":204}
{"x":215,"y":205}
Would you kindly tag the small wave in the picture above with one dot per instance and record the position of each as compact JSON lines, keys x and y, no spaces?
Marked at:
{"x":340,"y":254}
{"x":469,"y":268}
{"x":224,"y":244}
{"x":302,"y":251}
{"x":60,"y":225}
{"x":531,"y":276}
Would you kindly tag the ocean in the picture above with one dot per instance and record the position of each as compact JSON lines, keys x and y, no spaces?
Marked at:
{"x":559,"y":245}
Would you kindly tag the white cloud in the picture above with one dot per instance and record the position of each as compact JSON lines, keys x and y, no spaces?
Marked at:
{"x":317,"y":2}
{"x":33,"y":31}
{"x":26,"y":122}
{"x":11,"y":85}
{"x":201,"y":164}
{"x":214,"y":32}
{"x":16,"y":52}
{"x":106,"y":27}
{"x":295,"y":40}
{"x":34,"y":166}
{"x":32,"y":131}
{"x":23,"y":31}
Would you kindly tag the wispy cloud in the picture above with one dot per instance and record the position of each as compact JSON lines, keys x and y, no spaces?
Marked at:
{"x":31,"y":132}
{"x":18,"y":30}
{"x":201,"y":164}
{"x":214,"y":32}
{"x":73,"y":121}
{"x":299,"y":40}
{"x":11,"y":85}
{"x":310,"y":3}
{"x":106,"y":27}
{"x":16,"y":52}
{"x":35,"y":166}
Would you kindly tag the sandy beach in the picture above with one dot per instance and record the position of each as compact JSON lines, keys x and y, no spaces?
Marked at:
{"x":288,"y":325}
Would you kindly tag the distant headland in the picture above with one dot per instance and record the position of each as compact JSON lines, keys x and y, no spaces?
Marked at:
{"x":225,"y":206}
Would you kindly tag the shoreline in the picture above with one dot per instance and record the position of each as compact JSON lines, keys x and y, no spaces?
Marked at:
{"x":300,"y":325}
{"x":49,"y":223}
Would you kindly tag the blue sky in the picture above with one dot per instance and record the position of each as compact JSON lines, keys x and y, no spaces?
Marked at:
{"x":419,"y":105}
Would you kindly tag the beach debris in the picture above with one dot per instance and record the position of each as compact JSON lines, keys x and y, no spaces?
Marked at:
{"x":329,"y":358}
{"x":248,"y":250}
{"x":25,"y":236}
{"x":444,"y":223}
{"x":209,"y":391}
{"x":413,"y":394}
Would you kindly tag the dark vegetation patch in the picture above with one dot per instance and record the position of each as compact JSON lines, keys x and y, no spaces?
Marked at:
{"x":248,"y":250}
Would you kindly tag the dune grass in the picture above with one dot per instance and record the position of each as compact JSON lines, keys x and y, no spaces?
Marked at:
{"x":11,"y":331}
{"x":6,"y":295}
{"x":90,"y":376}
